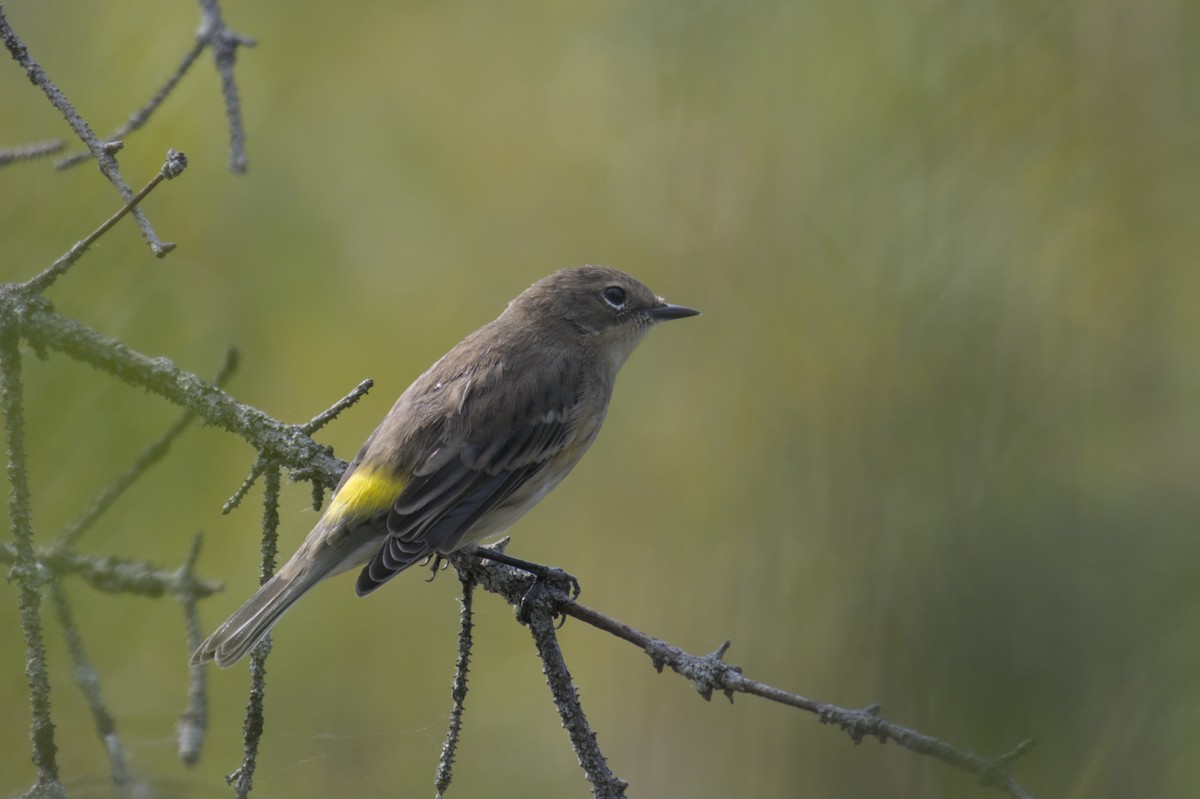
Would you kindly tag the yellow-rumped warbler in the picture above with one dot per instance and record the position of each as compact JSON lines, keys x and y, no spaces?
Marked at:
{"x":471,"y":445}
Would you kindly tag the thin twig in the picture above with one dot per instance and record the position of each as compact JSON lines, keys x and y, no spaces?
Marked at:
{"x":458,"y":690}
{"x":710,"y":673}
{"x":224,"y":43}
{"x":147,"y":458}
{"x":89,"y":685}
{"x":28,"y":152}
{"x":139,"y":117}
{"x":108,"y":574}
{"x":252,"y":728}
{"x":318,"y":481}
{"x":100,"y":150}
{"x":172,"y":167}
{"x":285,"y":443}
{"x":605,"y":784}
{"x":27,"y":572}
{"x":270,"y":523}
{"x":212,"y":33}
{"x":242,"y":778}
{"x":235,"y":499}
{"x":193,"y":722}
{"x":329,"y":414}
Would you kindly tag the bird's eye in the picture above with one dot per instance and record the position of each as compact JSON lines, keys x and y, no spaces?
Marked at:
{"x":614,"y":296}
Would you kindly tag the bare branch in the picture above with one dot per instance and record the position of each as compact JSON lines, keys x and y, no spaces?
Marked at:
{"x":89,"y":685}
{"x":104,"y":158}
{"x":172,"y":167}
{"x":605,"y":784}
{"x":242,"y":779}
{"x":149,"y":456}
{"x":710,"y":673}
{"x":193,"y":722}
{"x":286,"y":443}
{"x":29,"y":152}
{"x":458,"y":691}
{"x":109,"y":574}
{"x":27,"y":571}
{"x":224,"y":43}
{"x":139,"y":117}
{"x":302,"y":473}
{"x":328,"y":415}
{"x":248,"y":482}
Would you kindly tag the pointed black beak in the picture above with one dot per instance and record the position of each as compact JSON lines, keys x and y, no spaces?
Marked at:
{"x":661,"y":313}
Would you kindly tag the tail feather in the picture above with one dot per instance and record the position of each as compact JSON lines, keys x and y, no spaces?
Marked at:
{"x":249,"y":623}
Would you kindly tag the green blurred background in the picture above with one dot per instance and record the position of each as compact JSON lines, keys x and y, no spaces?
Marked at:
{"x":933,"y":444}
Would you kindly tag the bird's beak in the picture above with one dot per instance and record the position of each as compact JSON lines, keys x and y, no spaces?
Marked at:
{"x":665,"y":311}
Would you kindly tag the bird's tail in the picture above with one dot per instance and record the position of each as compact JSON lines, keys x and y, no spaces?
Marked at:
{"x":249,"y":623}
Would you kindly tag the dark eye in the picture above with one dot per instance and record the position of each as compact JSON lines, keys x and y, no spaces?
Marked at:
{"x":614,"y":296}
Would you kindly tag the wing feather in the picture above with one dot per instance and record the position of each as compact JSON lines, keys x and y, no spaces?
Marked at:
{"x":463,"y":479}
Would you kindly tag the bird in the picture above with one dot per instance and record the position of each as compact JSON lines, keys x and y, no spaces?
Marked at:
{"x":475,"y":442}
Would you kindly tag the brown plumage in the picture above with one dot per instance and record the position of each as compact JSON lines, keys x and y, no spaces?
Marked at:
{"x":471,"y":445}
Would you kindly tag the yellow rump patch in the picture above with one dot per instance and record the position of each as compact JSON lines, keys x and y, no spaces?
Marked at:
{"x":368,"y":491}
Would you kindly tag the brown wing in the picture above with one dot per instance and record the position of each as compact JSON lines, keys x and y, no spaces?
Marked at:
{"x":458,"y":484}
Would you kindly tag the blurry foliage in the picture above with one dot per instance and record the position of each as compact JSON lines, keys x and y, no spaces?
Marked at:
{"x":933,"y":443}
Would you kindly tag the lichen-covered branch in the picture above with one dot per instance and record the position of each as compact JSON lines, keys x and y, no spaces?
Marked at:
{"x":88,"y":681}
{"x":148,"y":457}
{"x":458,"y":690}
{"x":225,"y":43}
{"x":605,"y":784}
{"x":28,"y":152}
{"x":710,"y":673}
{"x":27,"y":571}
{"x":286,"y":443}
{"x":242,"y":779}
{"x":139,"y":117}
{"x":103,"y":152}
{"x":193,"y":722}
{"x":172,"y":167}
{"x":110,"y":574}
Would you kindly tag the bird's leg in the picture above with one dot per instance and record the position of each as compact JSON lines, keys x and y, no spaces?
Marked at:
{"x":542,"y":576}
{"x":439,"y":563}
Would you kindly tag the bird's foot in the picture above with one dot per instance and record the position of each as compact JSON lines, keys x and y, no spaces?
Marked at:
{"x":544,"y":578}
{"x":437,"y":562}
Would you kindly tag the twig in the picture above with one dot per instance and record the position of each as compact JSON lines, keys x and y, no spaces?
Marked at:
{"x":193,"y":722}
{"x":101,"y":151}
{"x":28,"y":152}
{"x":108,"y":574}
{"x":148,"y":457}
{"x":270,"y":523}
{"x":139,"y":117}
{"x":329,"y":414}
{"x":89,"y":685}
{"x":710,"y":673}
{"x":172,"y":167}
{"x":316,"y":423}
{"x":458,"y":690}
{"x":242,"y":778}
{"x":224,"y":43}
{"x":605,"y":784}
{"x":285,"y":443}
{"x":235,"y":499}
{"x":214,"y":33}
{"x":27,"y":572}
{"x":319,"y":481}
{"x":252,"y":728}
